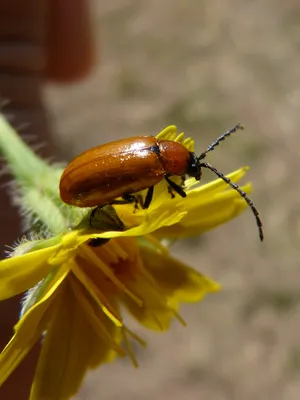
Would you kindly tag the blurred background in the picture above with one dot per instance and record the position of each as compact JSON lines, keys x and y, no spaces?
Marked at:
{"x":204,"y":66}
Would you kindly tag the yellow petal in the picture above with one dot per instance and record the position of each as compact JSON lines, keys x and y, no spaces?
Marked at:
{"x":149,"y":223}
{"x":169,"y":133}
{"x":109,"y":273}
{"x":69,"y":348}
{"x":206,"y":213}
{"x":18,"y":274}
{"x":22,"y":342}
{"x":107,"y":332}
{"x":28,"y":330}
{"x":155,"y":313}
{"x":195,"y":197}
{"x":217,"y":185}
{"x":178,"y":282}
{"x":99,"y":297}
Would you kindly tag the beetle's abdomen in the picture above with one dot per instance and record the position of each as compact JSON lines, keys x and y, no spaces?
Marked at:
{"x":106,"y":172}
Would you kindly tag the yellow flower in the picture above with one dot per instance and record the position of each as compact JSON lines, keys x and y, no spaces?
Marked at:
{"x":78,"y":279}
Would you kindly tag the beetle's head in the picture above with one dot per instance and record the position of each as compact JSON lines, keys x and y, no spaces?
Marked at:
{"x":194,"y":167}
{"x":196,"y":163}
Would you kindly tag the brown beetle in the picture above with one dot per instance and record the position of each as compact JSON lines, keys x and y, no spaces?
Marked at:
{"x":105,"y":173}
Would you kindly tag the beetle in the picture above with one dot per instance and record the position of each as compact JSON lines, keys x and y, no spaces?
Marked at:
{"x":122,"y":168}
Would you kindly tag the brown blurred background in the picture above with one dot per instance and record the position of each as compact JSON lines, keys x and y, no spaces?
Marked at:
{"x":205,"y":65}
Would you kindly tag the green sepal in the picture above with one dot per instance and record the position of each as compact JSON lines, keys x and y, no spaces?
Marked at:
{"x":36,"y":186}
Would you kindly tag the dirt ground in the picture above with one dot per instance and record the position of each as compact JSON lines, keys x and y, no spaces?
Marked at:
{"x":205,"y":65}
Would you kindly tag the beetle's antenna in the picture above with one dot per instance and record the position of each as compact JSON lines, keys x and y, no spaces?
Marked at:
{"x":241,"y":193}
{"x":220,"y":139}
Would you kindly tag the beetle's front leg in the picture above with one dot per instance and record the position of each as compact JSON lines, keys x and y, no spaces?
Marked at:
{"x":178,"y":189}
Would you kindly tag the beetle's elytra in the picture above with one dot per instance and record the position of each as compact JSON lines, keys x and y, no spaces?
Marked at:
{"x":103,"y":174}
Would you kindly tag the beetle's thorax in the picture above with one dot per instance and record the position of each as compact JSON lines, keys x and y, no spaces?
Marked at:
{"x":174,"y":157}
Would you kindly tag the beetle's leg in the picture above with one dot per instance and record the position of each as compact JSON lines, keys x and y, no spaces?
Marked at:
{"x":140,"y":201}
{"x":170,"y":191}
{"x":182,"y":183}
{"x":130,"y":198}
{"x":175,"y":187}
{"x":149,"y":197}
{"x":127,"y":199}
